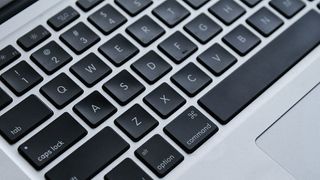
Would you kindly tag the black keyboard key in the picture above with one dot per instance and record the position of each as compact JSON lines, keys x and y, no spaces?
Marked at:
{"x":21,"y":78}
{"x":87,"y":5}
{"x":251,"y":79}
{"x":191,"y":79}
{"x":227,"y":11}
{"x":123,"y":87}
{"x":133,"y":7}
{"x":107,"y":19}
{"x":52,"y":141}
{"x":61,"y":91}
{"x":136,"y":122}
{"x":90,"y":69}
{"x":164,"y":100}
{"x":251,"y":3}
{"x":171,"y":13}
{"x":145,"y":31}
{"x":288,"y":8}
{"x":151,"y":67}
{"x":203,"y":28}
{"x":51,"y":57}
{"x":159,"y":155}
{"x":33,"y":38}
{"x":90,"y":158}
{"x":8,"y":55}
{"x":319,"y":5}
{"x":5,"y":99}
{"x":265,"y":22}
{"x":216,"y":59}
{"x":127,"y":169}
{"x":23,"y":118}
{"x":241,"y":40}
{"x":197,"y":129}
{"x":94,"y":109}
{"x":177,"y":47}
{"x":63,"y":18}
{"x":118,"y":50}
{"x":196,"y":4}
{"x":79,"y":38}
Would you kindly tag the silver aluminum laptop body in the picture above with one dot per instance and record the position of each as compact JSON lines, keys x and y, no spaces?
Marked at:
{"x":276,"y":137}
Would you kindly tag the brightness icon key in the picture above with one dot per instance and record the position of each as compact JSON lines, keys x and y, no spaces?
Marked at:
{"x":33,"y":38}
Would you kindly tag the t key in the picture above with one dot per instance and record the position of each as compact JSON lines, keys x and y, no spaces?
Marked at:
{"x":21,"y":78}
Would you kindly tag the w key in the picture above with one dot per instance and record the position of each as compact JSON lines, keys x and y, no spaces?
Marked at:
{"x":21,"y":78}
{"x":52,"y":141}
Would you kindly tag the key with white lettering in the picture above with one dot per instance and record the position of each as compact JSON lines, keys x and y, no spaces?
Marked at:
{"x":90,"y":70}
{"x":23,"y":118}
{"x":21,"y":78}
{"x":227,"y":11}
{"x":51,"y":57}
{"x":136,"y":122}
{"x":197,"y":129}
{"x":61,"y":90}
{"x":94,"y":109}
{"x":118,"y":50}
{"x":177,"y":47}
{"x":159,"y":155}
{"x":52,"y":141}
{"x":216,"y":59}
{"x":133,"y":7}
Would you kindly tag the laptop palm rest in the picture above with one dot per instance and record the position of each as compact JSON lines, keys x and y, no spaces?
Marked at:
{"x":293,"y":141}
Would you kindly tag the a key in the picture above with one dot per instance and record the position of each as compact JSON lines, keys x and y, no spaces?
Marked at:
{"x":191,"y":79}
{"x":133,"y":7}
{"x":5,"y":99}
{"x":94,"y":109}
{"x":177,"y":47}
{"x":216,"y":59}
{"x":127,"y":169}
{"x":164,"y":100}
{"x":118,"y":50}
{"x":136,"y":122}
{"x":51,"y":57}
{"x":90,"y":70}
{"x":159,"y":155}
{"x":288,"y":8}
{"x":123,"y":87}
{"x":61,"y":90}
{"x":23,"y":118}
{"x":258,"y":73}
{"x":227,"y":11}
{"x":63,"y":18}
{"x":196,"y":4}
{"x":79,"y":38}
{"x":87,"y":5}
{"x":171,"y":13}
{"x":265,"y":22}
{"x":8,"y":55}
{"x":53,"y":140}
{"x":241,"y":40}
{"x":33,"y":38}
{"x":21,"y":78}
{"x":197,"y":129}
{"x":319,"y":5}
{"x":107,"y":19}
{"x":203,"y":28}
{"x":90,"y":158}
{"x":145,"y":31}
{"x":151,"y":67}
{"x":251,"y":3}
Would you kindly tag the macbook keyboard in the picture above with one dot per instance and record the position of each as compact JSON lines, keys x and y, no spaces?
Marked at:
{"x":141,"y":84}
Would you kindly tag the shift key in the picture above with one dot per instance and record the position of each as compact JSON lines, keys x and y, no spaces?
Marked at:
{"x":23,"y":118}
{"x":52,"y":141}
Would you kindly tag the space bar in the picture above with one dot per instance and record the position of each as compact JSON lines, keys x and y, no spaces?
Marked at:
{"x":252,"y":78}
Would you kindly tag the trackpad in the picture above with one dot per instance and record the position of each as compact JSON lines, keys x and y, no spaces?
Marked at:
{"x":294,"y":140}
